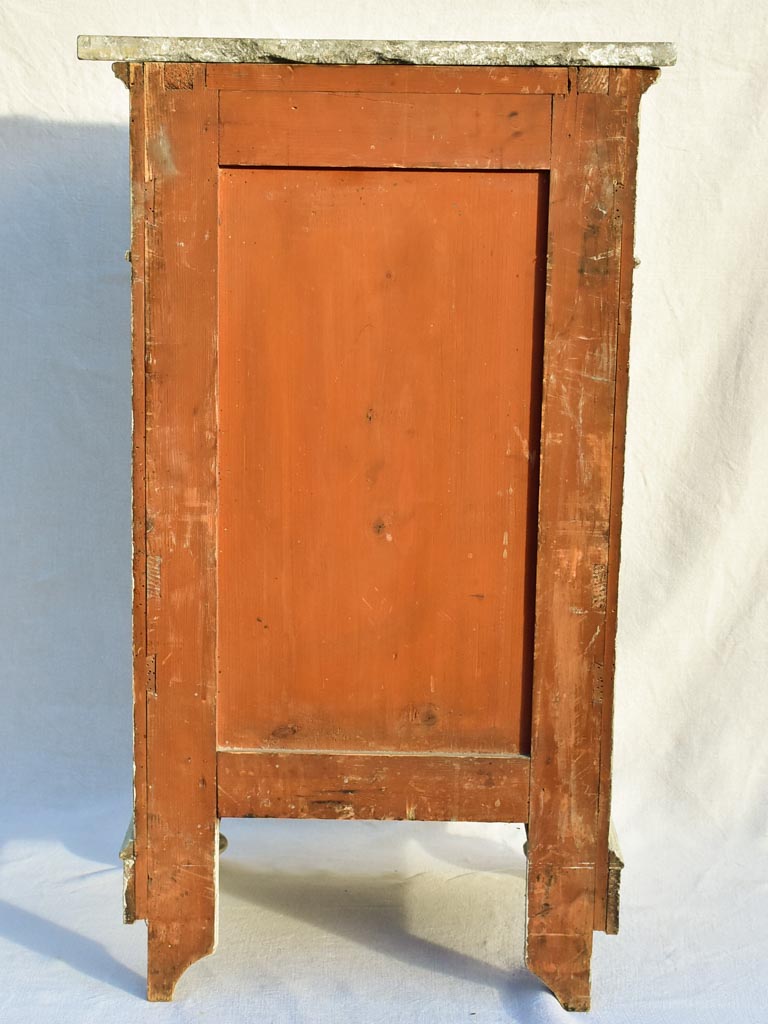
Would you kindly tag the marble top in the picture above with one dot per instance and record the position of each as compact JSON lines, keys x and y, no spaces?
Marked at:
{"x":365,"y":51}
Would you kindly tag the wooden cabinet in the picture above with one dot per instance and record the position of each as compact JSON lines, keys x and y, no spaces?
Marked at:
{"x":380,"y":329}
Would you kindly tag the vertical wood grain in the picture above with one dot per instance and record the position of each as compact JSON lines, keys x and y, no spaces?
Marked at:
{"x":584,"y":258}
{"x":181,"y":240}
{"x":627,"y":84}
{"x":380,"y":359}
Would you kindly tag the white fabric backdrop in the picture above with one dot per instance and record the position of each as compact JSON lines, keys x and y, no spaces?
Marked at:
{"x":377,"y":921}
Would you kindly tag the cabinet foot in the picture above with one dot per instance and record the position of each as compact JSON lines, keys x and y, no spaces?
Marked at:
{"x":561,"y":962}
{"x":173,"y":947}
{"x":183,"y":907}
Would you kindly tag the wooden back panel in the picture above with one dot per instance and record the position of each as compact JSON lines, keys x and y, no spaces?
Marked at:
{"x":379,"y":372}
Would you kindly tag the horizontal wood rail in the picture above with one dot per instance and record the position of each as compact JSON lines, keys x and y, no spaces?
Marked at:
{"x":371,"y":78}
{"x":322,"y":129}
{"x":423,"y":787}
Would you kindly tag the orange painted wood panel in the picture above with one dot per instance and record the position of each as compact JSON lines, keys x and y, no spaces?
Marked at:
{"x":381,"y":78}
{"x":321,"y":129}
{"x":379,"y":374}
{"x":430,"y":787}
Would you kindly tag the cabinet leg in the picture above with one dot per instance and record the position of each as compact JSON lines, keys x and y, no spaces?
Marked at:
{"x":182,"y":919}
{"x":559,"y":930}
{"x":562,"y":963}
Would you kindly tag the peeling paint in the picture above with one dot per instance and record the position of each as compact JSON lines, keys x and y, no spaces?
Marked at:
{"x":160,"y":155}
{"x":154,"y":567}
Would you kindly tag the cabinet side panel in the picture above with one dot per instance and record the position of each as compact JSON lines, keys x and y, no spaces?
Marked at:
{"x":584,"y":259}
{"x":136,"y":83}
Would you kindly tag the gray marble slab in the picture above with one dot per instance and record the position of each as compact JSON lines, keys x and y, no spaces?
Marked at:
{"x":365,"y":51}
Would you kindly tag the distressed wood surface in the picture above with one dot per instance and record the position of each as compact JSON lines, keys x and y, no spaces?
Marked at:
{"x":135,"y":79}
{"x":589,"y":159}
{"x":128,"y":857}
{"x":613,"y":885}
{"x":433,"y":787}
{"x":318,"y":129}
{"x":380,"y":359}
{"x":594,"y":79}
{"x":181,"y":234}
{"x":627,"y":87}
{"x":376,"y":79}
{"x":182,"y":784}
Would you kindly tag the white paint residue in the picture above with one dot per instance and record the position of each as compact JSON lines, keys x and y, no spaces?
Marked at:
{"x":591,"y":643}
{"x":523,"y":444}
{"x":505,"y":542}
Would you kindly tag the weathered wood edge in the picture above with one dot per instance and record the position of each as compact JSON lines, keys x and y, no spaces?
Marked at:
{"x":631,"y":85}
{"x":367,"y":785}
{"x":122,"y":72}
{"x":128,"y":857}
{"x":392,"y":78}
{"x":583,"y":266}
{"x":615,"y":865}
{"x":181,"y":410}
{"x":184,"y":49}
{"x":525,"y":80}
{"x":135,"y":82}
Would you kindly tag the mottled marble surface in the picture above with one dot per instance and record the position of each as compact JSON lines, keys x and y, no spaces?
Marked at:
{"x":365,"y":51}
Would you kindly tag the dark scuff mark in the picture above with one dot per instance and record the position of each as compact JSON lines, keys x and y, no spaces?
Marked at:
{"x":282,"y":732}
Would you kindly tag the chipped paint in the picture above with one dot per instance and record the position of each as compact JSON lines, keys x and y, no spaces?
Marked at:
{"x":154,"y":568}
{"x":160,"y":157}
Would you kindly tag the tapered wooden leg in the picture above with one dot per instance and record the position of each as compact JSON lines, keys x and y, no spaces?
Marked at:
{"x":558,"y":961}
{"x":559,"y":938}
{"x":183,"y":909}
{"x":590,"y":199}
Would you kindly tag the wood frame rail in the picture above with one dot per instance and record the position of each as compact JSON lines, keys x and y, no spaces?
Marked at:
{"x":372,"y":785}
